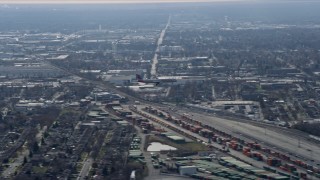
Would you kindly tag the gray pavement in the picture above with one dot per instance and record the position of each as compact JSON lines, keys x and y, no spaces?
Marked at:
{"x":277,"y":139}
{"x":155,"y":58}
{"x":18,"y":161}
{"x":85,"y":169}
{"x":241,"y":129}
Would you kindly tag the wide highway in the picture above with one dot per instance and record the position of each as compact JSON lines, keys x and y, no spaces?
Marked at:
{"x":155,"y":57}
{"x":276,"y":138}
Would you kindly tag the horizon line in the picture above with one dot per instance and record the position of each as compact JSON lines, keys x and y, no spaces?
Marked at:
{"x":112,"y":1}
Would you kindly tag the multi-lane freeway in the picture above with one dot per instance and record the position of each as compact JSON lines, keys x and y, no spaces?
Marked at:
{"x":87,"y":163}
{"x":159,"y":42}
{"x":240,"y":126}
{"x":290,"y":141}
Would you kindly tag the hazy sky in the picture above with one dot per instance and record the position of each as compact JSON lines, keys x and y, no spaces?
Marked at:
{"x":109,"y":1}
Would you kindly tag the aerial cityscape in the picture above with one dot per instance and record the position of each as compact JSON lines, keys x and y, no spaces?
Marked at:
{"x":181,"y":90}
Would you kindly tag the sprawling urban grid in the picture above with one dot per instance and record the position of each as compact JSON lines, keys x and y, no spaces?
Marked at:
{"x":167,"y":91}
